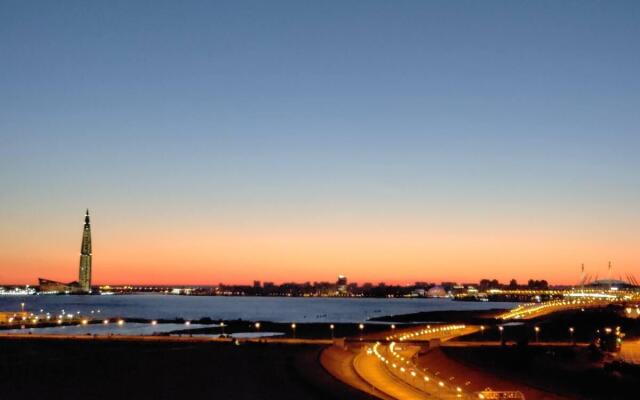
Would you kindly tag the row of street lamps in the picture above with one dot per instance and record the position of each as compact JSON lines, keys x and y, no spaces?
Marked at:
{"x":293,"y":326}
{"x":536,"y":329}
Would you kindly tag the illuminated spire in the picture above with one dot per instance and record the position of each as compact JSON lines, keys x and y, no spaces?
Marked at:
{"x":85,"y":255}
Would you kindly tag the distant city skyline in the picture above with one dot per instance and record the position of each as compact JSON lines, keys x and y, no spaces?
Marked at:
{"x":292,"y":141}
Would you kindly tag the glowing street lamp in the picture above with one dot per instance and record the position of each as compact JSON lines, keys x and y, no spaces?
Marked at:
{"x":257,"y":326}
{"x":222,"y":325}
{"x":571,"y":330}
{"x":501,"y":329}
{"x":331,"y":327}
{"x":537,"y":330}
{"x":361,"y":327}
{"x":293,"y":329}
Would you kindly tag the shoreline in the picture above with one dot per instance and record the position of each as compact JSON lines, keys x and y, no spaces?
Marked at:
{"x":453,"y":357}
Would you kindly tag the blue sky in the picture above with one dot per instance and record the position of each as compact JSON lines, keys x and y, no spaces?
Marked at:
{"x":460,"y":114}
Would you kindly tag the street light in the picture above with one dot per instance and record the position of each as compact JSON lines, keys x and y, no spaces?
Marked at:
{"x":293,"y":329}
{"x":571,"y":330}
{"x":22,"y":306}
{"x":537,"y":330}
{"x":332,"y":327}
{"x":361,"y":327}
{"x":257,"y":326}
{"x":222,"y":325}
{"x":501,"y":329}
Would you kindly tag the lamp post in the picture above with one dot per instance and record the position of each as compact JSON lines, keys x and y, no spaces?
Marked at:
{"x":537,"y":330}
{"x":22,"y":306}
{"x":331,"y":327}
{"x":501,"y":329}
{"x":361,"y":327}
{"x":257,"y":326}
{"x":293,"y":329}
{"x":222,"y":325}
{"x":571,"y":330}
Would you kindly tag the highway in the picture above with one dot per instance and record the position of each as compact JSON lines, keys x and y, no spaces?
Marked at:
{"x":388,"y":367}
{"x":535,"y":310}
{"x":630,"y":351}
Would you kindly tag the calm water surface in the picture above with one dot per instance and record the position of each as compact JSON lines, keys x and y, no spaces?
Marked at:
{"x":277,"y":309}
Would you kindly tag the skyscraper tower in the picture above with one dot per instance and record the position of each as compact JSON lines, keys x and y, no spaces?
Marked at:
{"x":85,"y":256}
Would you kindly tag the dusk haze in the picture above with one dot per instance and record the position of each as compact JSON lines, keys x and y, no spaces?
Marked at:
{"x":294,"y":199}
{"x":226,"y":141}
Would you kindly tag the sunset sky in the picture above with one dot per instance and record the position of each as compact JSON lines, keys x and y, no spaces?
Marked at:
{"x":393,"y":141}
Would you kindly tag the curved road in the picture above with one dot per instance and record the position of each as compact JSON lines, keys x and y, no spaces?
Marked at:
{"x":388,"y":370}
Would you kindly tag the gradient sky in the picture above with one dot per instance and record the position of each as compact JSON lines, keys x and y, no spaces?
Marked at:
{"x":295,"y":140}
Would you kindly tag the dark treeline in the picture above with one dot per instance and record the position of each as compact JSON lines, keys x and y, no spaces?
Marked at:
{"x":486,"y":284}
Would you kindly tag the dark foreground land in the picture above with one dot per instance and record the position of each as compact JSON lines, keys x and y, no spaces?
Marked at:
{"x":574,"y":372}
{"x":61,"y":369}
{"x":567,"y":371}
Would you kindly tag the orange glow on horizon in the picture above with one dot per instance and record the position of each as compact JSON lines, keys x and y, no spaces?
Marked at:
{"x":391,"y":254}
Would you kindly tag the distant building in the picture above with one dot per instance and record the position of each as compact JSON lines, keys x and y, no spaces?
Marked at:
{"x":83,"y":285}
{"x":341,"y":285}
{"x":437,"y":291}
{"x":48,"y":286}
{"x":85,"y":255}
{"x":611,"y":284}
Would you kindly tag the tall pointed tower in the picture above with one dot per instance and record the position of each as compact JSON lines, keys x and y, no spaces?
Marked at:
{"x":85,"y":256}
